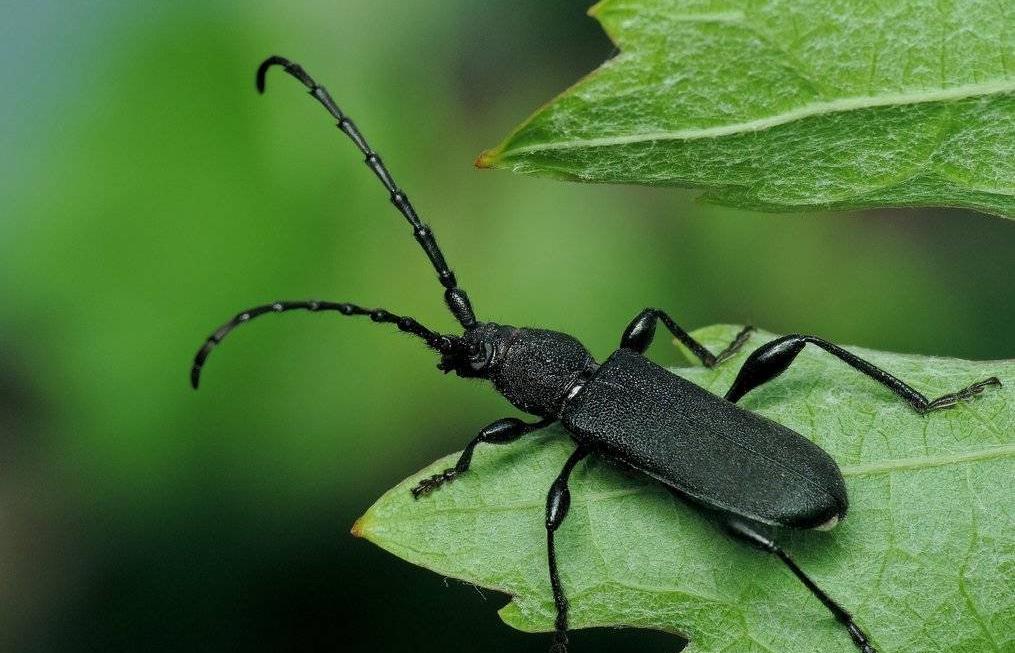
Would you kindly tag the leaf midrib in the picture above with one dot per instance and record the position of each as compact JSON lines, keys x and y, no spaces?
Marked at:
{"x":813,"y":109}
{"x":926,"y":462}
{"x":864,"y":469}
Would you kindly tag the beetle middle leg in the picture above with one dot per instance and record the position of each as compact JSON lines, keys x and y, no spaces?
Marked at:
{"x":772,"y":359}
{"x":502,"y":431}
{"x":558,"y":502}
{"x":743,"y":532}
{"x":639,"y":334}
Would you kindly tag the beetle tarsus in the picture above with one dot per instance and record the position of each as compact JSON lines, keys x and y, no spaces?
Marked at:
{"x":428,"y":485}
{"x":735,"y":346}
{"x":952,"y":399}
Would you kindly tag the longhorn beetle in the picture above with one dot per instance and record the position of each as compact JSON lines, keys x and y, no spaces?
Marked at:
{"x":745,"y":470}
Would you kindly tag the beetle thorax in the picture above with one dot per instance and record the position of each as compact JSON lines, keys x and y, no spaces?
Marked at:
{"x":535,"y":369}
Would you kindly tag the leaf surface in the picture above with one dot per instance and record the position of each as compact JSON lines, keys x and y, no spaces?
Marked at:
{"x":792,"y":104}
{"x":925,"y":559}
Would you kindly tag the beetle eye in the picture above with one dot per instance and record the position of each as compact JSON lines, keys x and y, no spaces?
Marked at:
{"x":480,"y":358}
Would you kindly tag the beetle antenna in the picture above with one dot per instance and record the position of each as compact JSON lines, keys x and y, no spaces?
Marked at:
{"x":456,"y":299}
{"x":436,"y":341}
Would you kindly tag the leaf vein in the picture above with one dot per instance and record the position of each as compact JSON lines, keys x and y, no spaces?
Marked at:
{"x":813,"y":109}
{"x":925,"y":462}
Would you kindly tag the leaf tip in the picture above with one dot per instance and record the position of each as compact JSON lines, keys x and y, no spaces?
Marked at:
{"x":486,"y":158}
{"x":361,"y":527}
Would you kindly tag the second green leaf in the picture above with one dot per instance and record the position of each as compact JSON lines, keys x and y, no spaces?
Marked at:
{"x":791,"y":104}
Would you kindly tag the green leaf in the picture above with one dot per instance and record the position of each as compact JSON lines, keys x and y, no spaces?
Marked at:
{"x":792,"y":104}
{"x":925,"y":559}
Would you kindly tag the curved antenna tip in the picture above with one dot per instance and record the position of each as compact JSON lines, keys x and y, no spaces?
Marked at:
{"x":262,"y":70}
{"x":195,"y":377}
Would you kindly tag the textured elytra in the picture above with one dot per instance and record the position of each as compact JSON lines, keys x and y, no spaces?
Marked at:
{"x":791,"y":104}
{"x":685,"y":437}
{"x":925,"y":559}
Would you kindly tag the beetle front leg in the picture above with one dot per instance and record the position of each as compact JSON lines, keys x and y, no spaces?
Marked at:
{"x":502,"y":431}
{"x":639,"y":334}
{"x":772,"y":359}
{"x":743,"y":532}
{"x":558,"y":502}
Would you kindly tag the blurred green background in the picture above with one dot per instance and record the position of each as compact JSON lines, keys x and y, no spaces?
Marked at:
{"x":148,"y":193}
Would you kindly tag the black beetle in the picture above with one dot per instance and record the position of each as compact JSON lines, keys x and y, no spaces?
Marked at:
{"x":744,"y":469}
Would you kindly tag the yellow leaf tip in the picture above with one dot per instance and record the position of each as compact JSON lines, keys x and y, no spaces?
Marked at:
{"x":485,"y":159}
{"x":361,"y":527}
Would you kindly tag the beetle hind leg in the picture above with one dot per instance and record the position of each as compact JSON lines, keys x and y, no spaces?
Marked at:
{"x":772,"y":359}
{"x":741,"y":531}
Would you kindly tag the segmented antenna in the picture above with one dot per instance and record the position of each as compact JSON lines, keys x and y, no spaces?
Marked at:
{"x":379,"y":315}
{"x":456,"y":299}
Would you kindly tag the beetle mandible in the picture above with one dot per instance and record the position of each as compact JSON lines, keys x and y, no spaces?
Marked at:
{"x":746,"y":470}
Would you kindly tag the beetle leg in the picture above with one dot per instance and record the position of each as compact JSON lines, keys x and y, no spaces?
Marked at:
{"x":743,"y":532}
{"x":772,"y":359}
{"x":502,"y":431}
{"x":558,"y":501}
{"x":639,"y":334}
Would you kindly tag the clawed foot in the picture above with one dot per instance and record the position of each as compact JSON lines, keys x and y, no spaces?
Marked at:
{"x":734,"y":346}
{"x":428,"y":485}
{"x":949,"y":400}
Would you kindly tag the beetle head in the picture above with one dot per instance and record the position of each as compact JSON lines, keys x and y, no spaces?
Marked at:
{"x":477,"y":353}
